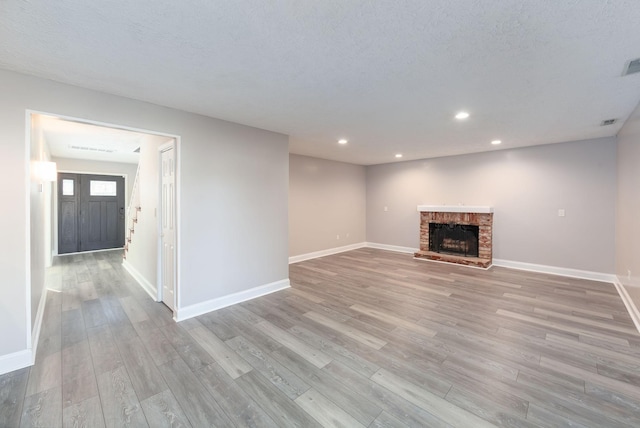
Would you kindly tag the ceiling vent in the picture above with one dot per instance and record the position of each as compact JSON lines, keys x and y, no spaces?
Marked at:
{"x":608,"y":122}
{"x":137,"y":150}
{"x":92,"y":149}
{"x":632,"y":67}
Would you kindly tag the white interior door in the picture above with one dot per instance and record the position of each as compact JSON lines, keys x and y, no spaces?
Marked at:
{"x":168,"y":235}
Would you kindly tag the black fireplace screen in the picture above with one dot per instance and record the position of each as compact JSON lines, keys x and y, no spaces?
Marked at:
{"x":457,"y":239}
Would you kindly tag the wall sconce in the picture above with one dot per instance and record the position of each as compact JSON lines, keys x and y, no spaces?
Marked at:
{"x":46,"y":172}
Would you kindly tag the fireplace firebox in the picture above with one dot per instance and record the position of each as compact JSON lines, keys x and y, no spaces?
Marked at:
{"x":452,"y":238}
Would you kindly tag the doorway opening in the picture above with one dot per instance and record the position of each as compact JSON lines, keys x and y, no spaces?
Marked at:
{"x":101,"y":167}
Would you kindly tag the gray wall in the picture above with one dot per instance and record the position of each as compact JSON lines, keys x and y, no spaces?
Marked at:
{"x":233,"y":186}
{"x":143,"y":249}
{"x":628,"y":207}
{"x":326,"y":199}
{"x":525,"y":186}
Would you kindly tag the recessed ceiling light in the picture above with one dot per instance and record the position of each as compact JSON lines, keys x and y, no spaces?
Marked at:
{"x":462,"y":115}
{"x":496,"y":142}
{"x":398,"y":155}
{"x":342,"y":141}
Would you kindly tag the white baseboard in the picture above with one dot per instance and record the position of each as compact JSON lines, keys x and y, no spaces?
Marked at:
{"x":554,"y":270}
{"x":396,"y":248}
{"x":151,"y":289}
{"x":634,"y":313}
{"x":15,"y":361}
{"x":327,"y":252}
{"x":231,"y":299}
{"x":35,"y":333}
{"x":336,"y":250}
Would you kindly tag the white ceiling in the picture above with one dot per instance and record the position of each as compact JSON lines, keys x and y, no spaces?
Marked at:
{"x":387,"y":75}
{"x":67,"y":139}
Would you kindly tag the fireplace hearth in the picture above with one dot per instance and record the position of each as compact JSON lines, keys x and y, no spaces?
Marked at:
{"x":456,"y":234}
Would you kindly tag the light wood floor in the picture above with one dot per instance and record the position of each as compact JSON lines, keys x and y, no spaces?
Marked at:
{"x":364,"y":338}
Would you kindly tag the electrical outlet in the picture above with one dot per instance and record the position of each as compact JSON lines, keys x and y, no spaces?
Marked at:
{"x":386,"y":208}
{"x":629,"y":274}
{"x":347,"y":235}
{"x":337,"y":236}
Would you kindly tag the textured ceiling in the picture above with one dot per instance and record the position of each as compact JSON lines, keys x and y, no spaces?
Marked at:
{"x":387,"y":75}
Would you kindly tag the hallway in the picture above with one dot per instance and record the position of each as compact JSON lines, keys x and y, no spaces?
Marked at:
{"x":87,"y":330}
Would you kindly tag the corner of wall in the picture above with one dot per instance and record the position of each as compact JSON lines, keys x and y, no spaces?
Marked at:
{"x":140,"y":279}
{"x":327,"y":252}
{"x":37,"y":327}
{"x":16,"y":361}
{"x":632,"y":308}
{"x":197,"y":309}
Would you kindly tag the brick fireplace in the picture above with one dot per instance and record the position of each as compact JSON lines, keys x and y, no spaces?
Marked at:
{"x":462,"y":232}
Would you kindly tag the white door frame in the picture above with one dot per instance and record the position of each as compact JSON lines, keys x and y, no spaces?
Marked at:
{"x":172,"y":144}
{"x":32,"y":334}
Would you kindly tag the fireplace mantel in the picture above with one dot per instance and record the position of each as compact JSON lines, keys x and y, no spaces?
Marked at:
{"x":480,"y":209}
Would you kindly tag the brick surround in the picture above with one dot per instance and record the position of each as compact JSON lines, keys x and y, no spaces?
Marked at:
{"x":484,"y":221}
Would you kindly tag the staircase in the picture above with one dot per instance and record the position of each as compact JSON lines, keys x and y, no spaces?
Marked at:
{"x":132,"y":213}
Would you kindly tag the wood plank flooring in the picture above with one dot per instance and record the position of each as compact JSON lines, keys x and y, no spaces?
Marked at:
{"x":366,"y":338}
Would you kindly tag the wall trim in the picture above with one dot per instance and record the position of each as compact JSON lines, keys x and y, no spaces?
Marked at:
{"x":396,"y":248}
{"x":336,"y":250}
{"x":16,"y":361}
{"x":191,"y":311}
{"x":151,"y":289}
{"x":634,"y":313}
{"x":327,"y":252}
{"x":35,"y":335}
{"x":555,"y":270}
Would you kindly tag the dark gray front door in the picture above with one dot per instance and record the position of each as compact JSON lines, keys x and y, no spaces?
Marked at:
{"x":67,"y":213}
{"x":92,"y":211}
